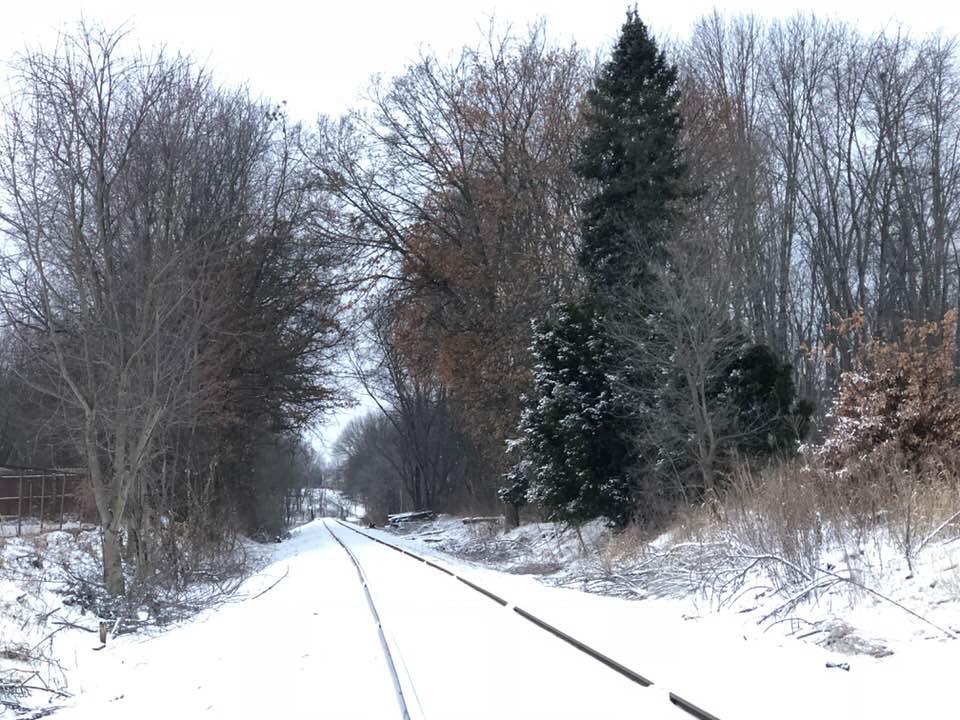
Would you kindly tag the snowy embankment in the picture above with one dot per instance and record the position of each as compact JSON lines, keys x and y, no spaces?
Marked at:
{"x":279,"y":646}
{"x":749,"y":651}
{"x":49,"y":622}
{"x":40,"y":624}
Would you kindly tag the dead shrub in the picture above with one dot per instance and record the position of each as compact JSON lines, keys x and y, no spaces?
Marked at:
{"x":793,"y":530}
{"x":900,"y":399}
{"x":780,"y":512}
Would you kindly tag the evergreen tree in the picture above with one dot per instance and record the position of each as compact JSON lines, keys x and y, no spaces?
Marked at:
{"x":572,"y":457}
{"x":632,"y":152}
{"x":577,"y":451}
{"x":769,"y":418}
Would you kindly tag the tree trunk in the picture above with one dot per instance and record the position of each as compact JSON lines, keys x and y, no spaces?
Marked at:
{"x":112,"y":562}
{"x":512,"y":516}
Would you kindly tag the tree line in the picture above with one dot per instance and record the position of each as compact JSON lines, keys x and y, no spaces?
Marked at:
{"x":623,"y":278}
{"x":577,"y":286}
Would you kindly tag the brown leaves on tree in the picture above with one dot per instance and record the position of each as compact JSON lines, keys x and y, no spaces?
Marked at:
{"x":899,"y":399}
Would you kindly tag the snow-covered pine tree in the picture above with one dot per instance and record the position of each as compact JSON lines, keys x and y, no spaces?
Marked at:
{"x":571,"y":455}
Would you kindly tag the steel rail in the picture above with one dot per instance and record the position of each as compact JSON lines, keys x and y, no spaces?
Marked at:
{"x":391,"y":666}
{"x":681,"y":703}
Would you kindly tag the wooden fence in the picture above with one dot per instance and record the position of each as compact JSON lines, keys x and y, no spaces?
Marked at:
{"x":34,"y":499}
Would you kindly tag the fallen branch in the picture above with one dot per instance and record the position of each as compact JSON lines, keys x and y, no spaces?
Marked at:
{"x":793,"y":619}
{"x":38,"y":688}
{"x":67,"y":623}
{"x":880,"y":595}
{"x":272,"y":585}
{"x":797,"y":597}
{"x":736,"y":595}
{"x":639,"y":592}
{"x":779,"y":559}
{"x":936,"y":532}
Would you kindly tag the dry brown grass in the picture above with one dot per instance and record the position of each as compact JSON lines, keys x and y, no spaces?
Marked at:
{"x":796,"y":529}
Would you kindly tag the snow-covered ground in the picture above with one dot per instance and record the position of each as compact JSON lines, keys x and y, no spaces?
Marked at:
{"x":32,"y":526}
{"x":733,"y":656}
{"x":891,"y":605}
{"x":35,"y":620}
{"x":298,"y":640}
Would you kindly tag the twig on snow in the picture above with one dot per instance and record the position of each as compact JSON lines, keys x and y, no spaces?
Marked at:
{"x":67,"y":623}
{"x":272,"y":585}
{"x":797,"y":597}
{"x":779,"y":559}
{"x":38,"y":688}
{"x":793,"y":619}
{"x":880,"y":595}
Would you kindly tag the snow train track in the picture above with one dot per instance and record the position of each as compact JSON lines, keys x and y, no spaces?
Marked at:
{"x":391,"y":666}
{"x":683,"y":704}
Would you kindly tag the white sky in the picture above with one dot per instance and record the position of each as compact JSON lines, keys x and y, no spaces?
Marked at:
{"x":319,"y":55}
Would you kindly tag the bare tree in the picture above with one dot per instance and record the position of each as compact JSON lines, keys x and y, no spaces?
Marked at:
{"x":424,"y":446}
{"x":457,"y":192}
{"x":830,"y":160}
{"x":162,"y":280}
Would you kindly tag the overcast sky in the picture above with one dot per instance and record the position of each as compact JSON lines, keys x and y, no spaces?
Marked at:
{"x":319,"y":55}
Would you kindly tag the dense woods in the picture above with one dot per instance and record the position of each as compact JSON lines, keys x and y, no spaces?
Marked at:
{"x":576,"y":288}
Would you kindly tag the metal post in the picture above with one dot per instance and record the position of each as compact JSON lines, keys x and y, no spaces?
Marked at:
{"x":63,"y":496}
{"x":43,"y":495}
{"x":20,"y":504}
